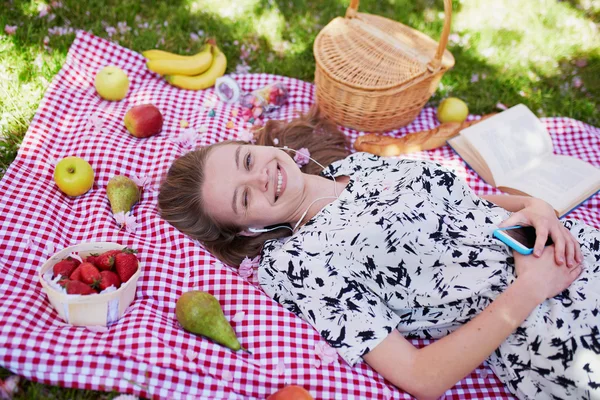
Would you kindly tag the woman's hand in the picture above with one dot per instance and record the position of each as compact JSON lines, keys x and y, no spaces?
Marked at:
{"x":541,"y":216}
{"x":556,"y":279}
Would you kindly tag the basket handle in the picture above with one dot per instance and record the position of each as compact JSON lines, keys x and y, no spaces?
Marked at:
{"x":436,"y":62}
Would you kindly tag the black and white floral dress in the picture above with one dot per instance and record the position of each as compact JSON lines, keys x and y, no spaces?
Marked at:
{"x":408,"y":246}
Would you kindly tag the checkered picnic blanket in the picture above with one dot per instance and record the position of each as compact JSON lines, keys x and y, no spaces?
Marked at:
{"x":146,"y":353}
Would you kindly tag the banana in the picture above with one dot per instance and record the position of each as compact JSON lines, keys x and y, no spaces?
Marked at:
{"x":180,"y":65}
{"x":205,"y":80}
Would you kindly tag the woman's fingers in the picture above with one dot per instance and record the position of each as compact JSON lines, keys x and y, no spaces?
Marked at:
{"x":559,"y":245}
{"x":541,"y":235}
{"x":570,"y":252}
{"x":577,"y":247}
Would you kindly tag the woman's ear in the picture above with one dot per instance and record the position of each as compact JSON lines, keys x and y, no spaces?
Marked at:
{"x":251,"y":232}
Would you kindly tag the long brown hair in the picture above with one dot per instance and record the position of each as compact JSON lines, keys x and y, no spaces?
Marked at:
{"x":180,"y":198}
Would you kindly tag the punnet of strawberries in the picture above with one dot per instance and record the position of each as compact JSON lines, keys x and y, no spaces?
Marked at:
{"x":97,"y":272}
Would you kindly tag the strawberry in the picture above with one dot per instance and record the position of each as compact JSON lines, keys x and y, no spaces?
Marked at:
{"x":105,"y":261}
{"x":76,"y":287}
{"x":126,"y":264}
{"x":109,"y":278}
{"x":92,"y":258}
{"x":89,"y":274}
{"x":65,"y":267}
{"x":76,"y":274}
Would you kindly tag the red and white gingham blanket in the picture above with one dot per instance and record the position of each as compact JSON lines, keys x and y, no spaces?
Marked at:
{"x":146,"y":353}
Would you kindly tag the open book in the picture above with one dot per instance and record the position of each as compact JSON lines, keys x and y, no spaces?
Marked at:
{"x":513,"y":152}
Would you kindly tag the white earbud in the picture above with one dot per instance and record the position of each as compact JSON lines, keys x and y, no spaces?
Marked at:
{"x":263,"y":230}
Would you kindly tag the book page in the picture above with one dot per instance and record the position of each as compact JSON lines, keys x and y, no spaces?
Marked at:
{"x":562,"y":181}
{"x":509,"y":142}
{"x":471,"y":158}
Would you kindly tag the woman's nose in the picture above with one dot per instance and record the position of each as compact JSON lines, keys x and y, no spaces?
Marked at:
{"x":261,"y":180}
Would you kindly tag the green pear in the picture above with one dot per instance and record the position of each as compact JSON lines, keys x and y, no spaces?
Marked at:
{"x":122,"y":193}
{"x":200,"y":313}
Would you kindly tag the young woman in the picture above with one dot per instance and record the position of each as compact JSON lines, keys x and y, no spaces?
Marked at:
{"x":372,"y":251}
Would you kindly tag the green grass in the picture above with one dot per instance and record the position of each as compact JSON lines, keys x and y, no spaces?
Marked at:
{"x":544,"y":53}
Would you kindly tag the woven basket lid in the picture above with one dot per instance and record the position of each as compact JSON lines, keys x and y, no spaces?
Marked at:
{"x":370,"y":52}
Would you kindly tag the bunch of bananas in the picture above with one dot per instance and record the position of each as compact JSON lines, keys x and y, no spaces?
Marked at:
{"x":196,"y":72}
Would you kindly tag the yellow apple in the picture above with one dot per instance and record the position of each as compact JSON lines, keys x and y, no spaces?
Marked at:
{"x":74,"y":176}
{"x":452,"y":109}
{"x":111,"y":83}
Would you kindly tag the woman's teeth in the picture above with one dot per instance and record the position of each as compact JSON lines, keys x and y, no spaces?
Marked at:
{"x":279,"y":182}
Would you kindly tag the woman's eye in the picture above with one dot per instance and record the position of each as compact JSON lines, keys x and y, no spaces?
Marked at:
{"x":246,"y":199}
{"x":248,"y":160}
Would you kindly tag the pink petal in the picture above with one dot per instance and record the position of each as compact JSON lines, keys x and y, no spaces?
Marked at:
{"x":10,"y":29}
{"x":239,"y":316}
{"x":316,"y":363}
{"x":96,"y":328}
{"x":280,"y":368}
{"x":50,"y":249}
{"x":191,"y":355}
{"x":227,"y":376}
{"x":501,"y":106}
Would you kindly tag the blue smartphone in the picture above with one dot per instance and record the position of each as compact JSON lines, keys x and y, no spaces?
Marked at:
{"x":519,"y":238}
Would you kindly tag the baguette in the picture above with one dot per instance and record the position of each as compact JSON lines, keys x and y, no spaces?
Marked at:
{"x":387,"y":146}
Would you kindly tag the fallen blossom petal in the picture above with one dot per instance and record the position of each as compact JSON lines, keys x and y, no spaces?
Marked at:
{"x":110,"y":31}
{"x":141,"y":181}
{"x":96,"y":120}
{"x":315,"y":362}
{"x":56,"y":4}
{"x":127,"y":221}
{"x":29,"y":243}
{"x":239,"y":316}
{"x":246,"y":269}
{"x":483,"y":373}
{"x":582,"y":62}
{"x":577,"y":82}
{"x":194,"y":37}
{"x":10,"y":29}
{"x":245,"y":135}
{"x":326,"y":353}
{"x":302,"y":157}
{"x":191,"y":355}
{"x":474,"y":78}
{"x":96,"y":328}
{"x":76,"y":256}
{"x":187,"y":137}
{"x":242,"y":69}
{"x":51,"y":17}
{"x":43,"y":9}
{"x":501,"y":106}
{"x":280,"y":368}
{"x":50,"y":248}
{"x":227,"y":376}
{"x":9,"y":387}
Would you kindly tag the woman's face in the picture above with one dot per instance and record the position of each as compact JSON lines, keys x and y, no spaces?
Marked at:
{"x":252,"y":186}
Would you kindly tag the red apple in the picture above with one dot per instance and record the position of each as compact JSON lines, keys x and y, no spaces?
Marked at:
{"x":291,"y":392}
{"x":144,"y":120}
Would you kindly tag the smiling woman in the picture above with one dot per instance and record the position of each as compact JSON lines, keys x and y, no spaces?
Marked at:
{"x":390,"y":249}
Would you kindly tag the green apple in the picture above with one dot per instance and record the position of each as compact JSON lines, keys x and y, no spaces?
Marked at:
{"x":452,"y":109}
{"x":74,"y":176}
{"x":111,"y":83}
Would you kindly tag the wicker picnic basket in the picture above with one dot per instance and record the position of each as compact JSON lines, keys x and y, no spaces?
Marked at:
{"x":375,"y":74}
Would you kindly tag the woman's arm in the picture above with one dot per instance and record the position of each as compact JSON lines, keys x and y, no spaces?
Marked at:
{"x":509,"y":202}
{"x":428,"y":372}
